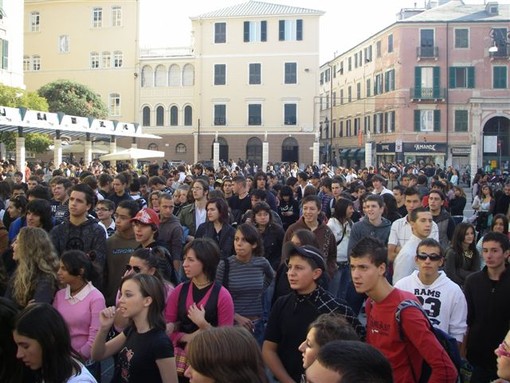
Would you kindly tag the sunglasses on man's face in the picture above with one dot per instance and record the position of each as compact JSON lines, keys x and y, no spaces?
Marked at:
{"x":432,"y":257}
{"x":136,"y":269}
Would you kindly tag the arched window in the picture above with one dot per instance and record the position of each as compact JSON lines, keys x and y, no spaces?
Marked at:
{"x":160,"y":116}
{"x":180,"y":148}
{"x":254,"y":150}
{"x":290,"y":150}
{"x":152,"y":146}
{"x":188,"y":116}
{"x":188,"y":75}
{"x":160,"y":76}
{"x":174,"y":76}
{"x":147,"y":76}
{"x":174,"y":116}
{"x":146,"y":116}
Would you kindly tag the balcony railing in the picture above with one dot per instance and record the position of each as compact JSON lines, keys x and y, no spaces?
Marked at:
{"x":427,"y":52}
{"x":428,"y":94}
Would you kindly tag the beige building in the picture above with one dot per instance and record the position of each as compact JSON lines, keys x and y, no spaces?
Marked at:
{"x":92,"y":42}
{"x":11,"y":43}
{"x":247,"y":88}
{"x":431,"y":87}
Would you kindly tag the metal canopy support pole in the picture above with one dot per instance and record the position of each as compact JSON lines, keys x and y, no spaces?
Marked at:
{"x":88,"y":150}
{"x":57,"y":154}
{"x":20,"y":152}
{"x":113,"y":149}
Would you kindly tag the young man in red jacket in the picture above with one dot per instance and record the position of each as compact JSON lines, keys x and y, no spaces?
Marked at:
{"x":405,"y":353}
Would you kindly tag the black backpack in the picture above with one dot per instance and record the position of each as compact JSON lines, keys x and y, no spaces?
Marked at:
{"x":448,"y":342}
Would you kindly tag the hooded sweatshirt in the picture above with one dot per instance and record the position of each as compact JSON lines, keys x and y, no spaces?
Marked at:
{"x":364,"y":229}
{"x":443,"y":301}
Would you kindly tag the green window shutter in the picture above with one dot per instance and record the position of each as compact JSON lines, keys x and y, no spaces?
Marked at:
{"x":417,"y":117}
{"x":437,"y":120}
{"x":461,"y":120}
{"x":263,"y":30}
{"x":281,"y":30}
{"x":5,"y":54}
{"x":417,"y":82}
{"x":471,"y":77}
{"x":246,"y":31}
{"x":452,"y":77}
{"x":436,"y":82}
{"x":299,"y":29}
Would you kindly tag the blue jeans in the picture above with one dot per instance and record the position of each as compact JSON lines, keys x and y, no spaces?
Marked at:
{"x":259,"y":330}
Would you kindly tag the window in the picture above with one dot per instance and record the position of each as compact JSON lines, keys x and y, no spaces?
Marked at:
{"x":355,"y":60}
{"x":389,"y":122}
{"x":462,"y":77}
{"x":174,"y":116}
{"x":499,"y":80}
{"x":367,"y":124}
{"x":327,"y":100}
{"x":290,"y":30}
{"x":290,"y":114}
{"x":107,"y":59}
{"x":146,"y":116}
{"x":188,"y":116}
{"x":369,"y":88}
{"x":188,"y":75}
{"x":152,"y":146}
{"x":349,"y":64}
{"x":220,"y":33}
{"x":94,"y":60}
{"x":327,"y":75}
{"x":290,"y":73}
{"x":427,"y":43}
{"x":117,"y":59}
{"x":255,"y":74}
{"x":63,"y":44}
{"x":255,"y":31}
{"x":220,"y":114}
{"x":378,"y":84}
{"x":36,"y":62}
{"x":26,"y":63}
{"x":378,"y":49}
{"x":174,"y":75}
{"x":322,"y":78}
{"x":114,"y":104}
{"x":390,"y":43}
{"x":160,"y":116}
{"x":333,"y":130}
{"x":333,"y":98}
{"x":254,"y":114}
{"x":349,"y":94}
{"x":220,"y":76}
{"x":341,"y":96}
{"x":160,"y":76}
{"x":180,"y":148}
{"x":5,"y":53}
{"x":348,"y":128}
{"x":358,"y":91}
{"x":427,"y":81}
{"x":147,"y":76}
{"x":427,"y":120}
{"x":389,"y":80}
{"x":356,"y":126}
{"x":368,"y":53}
{"x":35,"y":22}
{"x":461,"y":120}
{"x":97,"y":17}
{"x":461,"y":38}
{"x":501,"y":40}
{"x":116,"y":16}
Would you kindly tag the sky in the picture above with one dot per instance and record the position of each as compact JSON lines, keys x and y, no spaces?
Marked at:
{"x":346,"y":23}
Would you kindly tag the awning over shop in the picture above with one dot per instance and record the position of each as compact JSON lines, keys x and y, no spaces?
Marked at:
{"x":344,"y":153}
{"x":352,"y":153}
{"x":360,"y":154}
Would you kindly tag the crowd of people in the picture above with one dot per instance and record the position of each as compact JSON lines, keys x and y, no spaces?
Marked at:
{"x":191,"y":273}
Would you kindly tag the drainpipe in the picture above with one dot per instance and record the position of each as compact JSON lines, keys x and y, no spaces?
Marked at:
{"x":447,"y":93}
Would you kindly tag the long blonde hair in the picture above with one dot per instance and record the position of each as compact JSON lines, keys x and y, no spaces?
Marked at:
{"x":37,"y":257}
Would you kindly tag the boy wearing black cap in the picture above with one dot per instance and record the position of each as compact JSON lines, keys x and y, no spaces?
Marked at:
{"x":292,"y":314}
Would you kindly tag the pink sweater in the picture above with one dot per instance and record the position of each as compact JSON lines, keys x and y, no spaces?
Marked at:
{"x":81,"y":314}
{"x":225,"y":308}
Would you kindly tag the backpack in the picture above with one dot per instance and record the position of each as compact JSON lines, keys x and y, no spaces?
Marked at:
{"x":448,"y":342}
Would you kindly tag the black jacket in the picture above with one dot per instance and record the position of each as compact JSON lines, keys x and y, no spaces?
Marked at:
{"x":225,"y":239}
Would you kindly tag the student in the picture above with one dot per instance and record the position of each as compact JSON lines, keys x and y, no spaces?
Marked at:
{"x":145,"y":352}
{"x":349,"y":361}
{"x":11,"y":369}
{"x":291,"y":314}
{"x":44,"y":345}
{"x":210,"y":363}
{"x":104,"y":210}
{"x":326,"y":328}
{"x":487,"y":293}
{"x":441,"y":298}
{"x":503,"y":359}
{"x":194,"y":214}
{"x":170,"y":229}
{"x":405,"y":354}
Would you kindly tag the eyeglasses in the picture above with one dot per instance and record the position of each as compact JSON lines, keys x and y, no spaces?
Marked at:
{"x":136,"y":269}
{"x":502,"y":350}
{"x":101,"y":209}
{"x":432,"y":257}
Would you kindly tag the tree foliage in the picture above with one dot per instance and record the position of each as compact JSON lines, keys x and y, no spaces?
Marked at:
{"x":15,"y":98}
{"x":73,"y":99}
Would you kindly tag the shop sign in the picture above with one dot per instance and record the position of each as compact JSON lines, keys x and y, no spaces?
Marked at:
{"x":425,"y":147}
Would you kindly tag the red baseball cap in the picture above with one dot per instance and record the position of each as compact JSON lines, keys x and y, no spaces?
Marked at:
{"x":146,"y":216}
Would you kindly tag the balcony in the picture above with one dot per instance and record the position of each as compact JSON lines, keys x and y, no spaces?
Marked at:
{"x":428,"y":94}
{"x":425,"y":53}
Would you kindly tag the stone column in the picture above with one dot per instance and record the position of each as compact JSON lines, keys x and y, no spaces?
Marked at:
{"x":57,"y":154}
{"x":265,"y":155}
{"x":113,"y":149}
{"x":195,"y":148}
{"x":368,"y":154}
{"x":88,"y":151}
{"x":216,"y":154}
{"x":20,"y":153}
{"x":134,"y":161}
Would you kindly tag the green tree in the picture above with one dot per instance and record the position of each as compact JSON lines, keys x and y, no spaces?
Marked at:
{"x":15,"y":98}
{"x":73,"y":99}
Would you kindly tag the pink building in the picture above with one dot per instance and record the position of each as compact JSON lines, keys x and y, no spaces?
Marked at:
{"x":431,"y":87}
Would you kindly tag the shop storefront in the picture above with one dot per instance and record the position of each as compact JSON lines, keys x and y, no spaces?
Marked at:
{"x":460,"y":157}
{"x":427,"y":152}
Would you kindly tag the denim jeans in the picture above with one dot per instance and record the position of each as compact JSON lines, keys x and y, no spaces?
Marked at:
{"x":338,"y":285}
